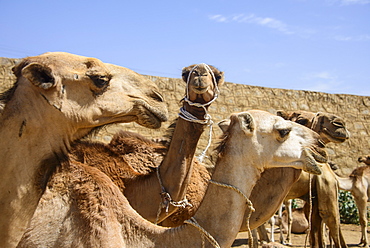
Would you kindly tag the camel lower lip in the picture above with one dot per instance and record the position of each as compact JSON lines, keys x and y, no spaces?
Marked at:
{"x":335,"y":137}
{"x":199,"y":90}
{"x":312,"y":169}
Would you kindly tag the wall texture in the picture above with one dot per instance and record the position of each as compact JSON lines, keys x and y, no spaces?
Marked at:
{"x":236,"y":98}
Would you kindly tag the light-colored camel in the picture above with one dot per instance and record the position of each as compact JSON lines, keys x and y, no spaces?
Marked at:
{"x":58,"y":98}
{"x":358,"y":183}
{"x":331,"y":128}
{"x":154,"y":194}
{"x":98,"y":215}
{"x":300,"y":223}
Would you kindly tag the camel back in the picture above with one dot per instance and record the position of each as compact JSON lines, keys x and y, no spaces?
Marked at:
{"x":353,"y":109}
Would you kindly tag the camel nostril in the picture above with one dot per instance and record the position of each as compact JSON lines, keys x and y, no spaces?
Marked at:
{"x":321,"y":143}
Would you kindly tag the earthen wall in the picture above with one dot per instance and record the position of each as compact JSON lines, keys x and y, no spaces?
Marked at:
{"x":236,"y":98}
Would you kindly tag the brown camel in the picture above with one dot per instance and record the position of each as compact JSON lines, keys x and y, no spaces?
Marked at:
{"x":173,"y":175}
{"x":161,"y":190}
{"x":325,"y":209}
{"x":58,"y":98}
{"x":364,"y":159}
{"x":358,"y":183}
{"x":98,"y":215}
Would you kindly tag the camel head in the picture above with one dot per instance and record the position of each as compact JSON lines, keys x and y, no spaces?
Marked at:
{"x":330,"y":127}
{"x":266,"y":140}
{"x":202,"y":82}
{"x":364,"y":159}
{"x":86,"y":91}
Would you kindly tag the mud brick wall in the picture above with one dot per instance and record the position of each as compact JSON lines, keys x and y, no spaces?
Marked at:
{"x":236,"y":98}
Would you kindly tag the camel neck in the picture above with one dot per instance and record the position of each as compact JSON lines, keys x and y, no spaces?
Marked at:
{"x":30,"y":139}
{"x":176,"y":168}
{"x":174,"y":173}
{"x":220,"y":212}
{"x":231,"y":204}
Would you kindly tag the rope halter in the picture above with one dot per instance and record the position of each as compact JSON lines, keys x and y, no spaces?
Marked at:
{"x":206,"y":234}
{"x":184,"y":114}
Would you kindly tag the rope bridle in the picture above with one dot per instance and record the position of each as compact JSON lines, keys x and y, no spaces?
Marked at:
{"x":206,"y":234}
{"x":207,"y":118}
{"x":185,"y":115}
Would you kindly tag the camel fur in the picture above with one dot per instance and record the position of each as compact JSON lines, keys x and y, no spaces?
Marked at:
{"x":140,"y":182}
{"x":358,"y":183}
{"x":102,"y":217}
{"x":325,"y":208}
{"x":59,"y":98}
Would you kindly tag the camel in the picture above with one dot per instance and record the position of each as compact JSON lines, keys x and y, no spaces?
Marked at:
{"x":331,"y":128}
{"x":358,"y":183}
{"x":58,"y":98}
{"x":364,"y":159}
{"x":173,"y":175}
{"x":98,"y":215}
{"x":300,"y":223}
{"x":155,"y":192}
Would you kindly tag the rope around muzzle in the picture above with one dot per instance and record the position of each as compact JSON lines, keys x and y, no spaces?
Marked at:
{"x":185,"y":115}
{"x":207,"y":118}
{"x":206,"y":234}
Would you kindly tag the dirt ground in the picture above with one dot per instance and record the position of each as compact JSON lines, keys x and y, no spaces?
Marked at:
{"x":352,"y":235}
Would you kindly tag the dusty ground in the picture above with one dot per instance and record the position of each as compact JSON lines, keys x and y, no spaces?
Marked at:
{"x":352,"y":235}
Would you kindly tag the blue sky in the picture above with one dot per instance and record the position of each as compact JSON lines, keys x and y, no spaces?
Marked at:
{"x":318,"y":45}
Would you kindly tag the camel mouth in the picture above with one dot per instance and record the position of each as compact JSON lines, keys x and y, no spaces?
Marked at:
{"x":149,"y":116}
{"x":338,"y":136}
{"x":199,"y":90}
{"x":313,"y":158}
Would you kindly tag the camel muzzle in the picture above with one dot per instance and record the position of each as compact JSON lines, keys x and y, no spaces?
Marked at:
{"x":313,"y":159}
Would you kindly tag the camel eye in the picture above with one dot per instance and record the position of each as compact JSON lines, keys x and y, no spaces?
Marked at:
{"x":100,"y":81}
{"x":283,"y":134}
{"x":157,"y":96}
{"x":302,"y":121}
{"x":337,"y":124}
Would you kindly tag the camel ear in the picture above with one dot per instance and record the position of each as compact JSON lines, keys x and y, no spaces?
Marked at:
{"x":224,"y":125}
{"x":40,"y":75}
{"x":282,"y":113}
{"x":246,"y":122}
{"x":185,"y":72}
{"x":220,"y":78}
